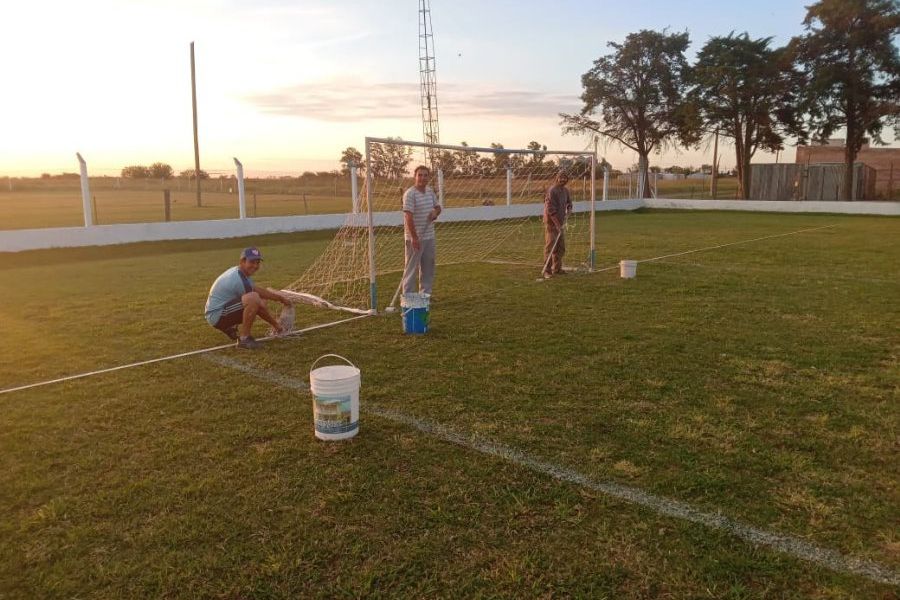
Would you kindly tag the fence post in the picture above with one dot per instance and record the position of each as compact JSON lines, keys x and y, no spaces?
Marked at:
{"x":606,"y":183}
{"x":354,"y":188}
{"x":242,"y":200}
{"x":508,"y":186}
{"x":254,"y":204}
{"x":85,"y":193}
{"x":167,"y":202}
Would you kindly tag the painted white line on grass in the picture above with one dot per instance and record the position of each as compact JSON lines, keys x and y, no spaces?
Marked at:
{"x":786,"y":544}
{"x":165,"y":358}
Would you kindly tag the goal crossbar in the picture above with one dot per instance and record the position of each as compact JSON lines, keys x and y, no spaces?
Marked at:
{"x":374,"y":140}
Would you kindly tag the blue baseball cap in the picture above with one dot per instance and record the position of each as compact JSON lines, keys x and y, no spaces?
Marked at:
{"x":251,"y":253}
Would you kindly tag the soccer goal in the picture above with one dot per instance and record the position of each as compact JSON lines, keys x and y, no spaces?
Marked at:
{"x":492,"y":201}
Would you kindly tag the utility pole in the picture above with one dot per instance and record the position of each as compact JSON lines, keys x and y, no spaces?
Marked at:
{"x":196,"y":141}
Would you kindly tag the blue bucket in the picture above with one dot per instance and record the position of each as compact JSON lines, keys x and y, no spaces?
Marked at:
{"x":416,"y":310}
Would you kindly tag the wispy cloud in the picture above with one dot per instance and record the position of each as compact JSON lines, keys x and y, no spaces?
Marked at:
{"x":348,"y":101}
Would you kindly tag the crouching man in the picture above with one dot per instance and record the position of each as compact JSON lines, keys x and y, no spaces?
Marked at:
{"x":235,"y":301}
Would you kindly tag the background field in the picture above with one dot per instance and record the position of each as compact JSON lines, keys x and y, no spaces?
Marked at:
{"x":35,"y":203}
{"x":759,"y":380}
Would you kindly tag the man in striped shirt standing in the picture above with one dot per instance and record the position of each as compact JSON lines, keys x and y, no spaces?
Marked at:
{"x":420,"y":209}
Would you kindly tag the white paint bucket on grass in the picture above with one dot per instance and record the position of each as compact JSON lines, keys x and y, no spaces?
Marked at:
{"x":628,"y":269}
{"x":335,"y":391}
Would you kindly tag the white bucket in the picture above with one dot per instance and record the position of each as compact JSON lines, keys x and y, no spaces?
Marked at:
{"x":628,"y":269}
{"x":335,"y":391}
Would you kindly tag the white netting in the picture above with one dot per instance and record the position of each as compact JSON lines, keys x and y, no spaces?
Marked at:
{"x":492,"y":205}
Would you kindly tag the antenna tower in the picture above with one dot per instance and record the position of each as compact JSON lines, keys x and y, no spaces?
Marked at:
{"x":428,"y":81}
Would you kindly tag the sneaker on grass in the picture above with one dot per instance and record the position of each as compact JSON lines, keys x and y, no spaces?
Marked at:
{"x":248,"y":343}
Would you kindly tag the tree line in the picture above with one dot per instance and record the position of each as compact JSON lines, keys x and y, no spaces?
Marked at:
{"x":392,"y":160}
{"x":843,"y":72}
{"x":158,"y":170}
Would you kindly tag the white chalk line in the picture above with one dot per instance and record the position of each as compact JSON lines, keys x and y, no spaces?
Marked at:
{"x":783,"y":543}
{"x":166,"y":358}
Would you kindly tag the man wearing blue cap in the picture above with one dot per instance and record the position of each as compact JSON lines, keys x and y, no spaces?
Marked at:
{"x":235,"y":301}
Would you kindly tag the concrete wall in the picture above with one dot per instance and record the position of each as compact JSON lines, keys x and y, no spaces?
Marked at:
{"x":846,"y":208}
{"x":105,"y":235}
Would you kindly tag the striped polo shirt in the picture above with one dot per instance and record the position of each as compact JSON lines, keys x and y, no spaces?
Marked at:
{"x":419,"y":204}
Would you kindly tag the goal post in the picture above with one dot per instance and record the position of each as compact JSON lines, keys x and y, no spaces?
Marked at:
{"x":492,"y":200}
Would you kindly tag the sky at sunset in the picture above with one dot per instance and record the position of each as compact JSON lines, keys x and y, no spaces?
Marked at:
{"x":286,"y":85}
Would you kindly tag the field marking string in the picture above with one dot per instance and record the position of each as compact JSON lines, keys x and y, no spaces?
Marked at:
{"x":789,"y":545}
{"x":759,"y":239}
{"x":167,"y":358}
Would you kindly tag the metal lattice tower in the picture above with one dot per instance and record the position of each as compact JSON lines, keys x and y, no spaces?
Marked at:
{"x":428,"y":81}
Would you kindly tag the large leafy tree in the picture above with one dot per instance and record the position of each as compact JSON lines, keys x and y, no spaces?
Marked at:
{"x":136,"y":172}
{"x":191,"y":173}
{"x":539,"y":151}
{"x":635,"y":96}
{"x":351,"y":156}
{"x":467,"y":161}
{"x":849,"y":57}
{"x":390,"y":159}
{"x":745,"y":90}
{"x":500,"y":159}
{"x":159,"y":170}
{"x":446,"y":161}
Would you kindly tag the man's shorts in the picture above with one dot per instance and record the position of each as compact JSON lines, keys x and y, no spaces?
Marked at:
{"x":232,"y":315}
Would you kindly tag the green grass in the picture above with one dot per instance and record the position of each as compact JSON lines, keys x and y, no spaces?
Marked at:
{"x":758,"y":380}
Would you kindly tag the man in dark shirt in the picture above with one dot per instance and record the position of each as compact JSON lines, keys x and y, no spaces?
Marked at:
{"x":557,"y":207}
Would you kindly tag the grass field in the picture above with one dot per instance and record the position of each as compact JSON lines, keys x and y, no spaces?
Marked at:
{"x":757,"y":381}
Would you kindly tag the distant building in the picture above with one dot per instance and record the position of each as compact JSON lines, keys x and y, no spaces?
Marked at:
{"x":885,"y":161}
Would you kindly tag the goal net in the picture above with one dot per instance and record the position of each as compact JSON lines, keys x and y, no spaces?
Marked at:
{"x":492,"y":201}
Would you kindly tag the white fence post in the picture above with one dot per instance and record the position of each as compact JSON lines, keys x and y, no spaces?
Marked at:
{"x":354,"y":187}
{"x":441,"y":187}
{"x":508,"y":186}
{"x":85,"y":192}
{"x":606,"y":183}
{"x":242,"y":200}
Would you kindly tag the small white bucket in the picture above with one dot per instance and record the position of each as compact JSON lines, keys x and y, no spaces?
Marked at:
{"x":335,"y":391}
{"x":628,"y":269}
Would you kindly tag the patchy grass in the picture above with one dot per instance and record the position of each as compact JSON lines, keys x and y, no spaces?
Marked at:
{"x":758,"y":380}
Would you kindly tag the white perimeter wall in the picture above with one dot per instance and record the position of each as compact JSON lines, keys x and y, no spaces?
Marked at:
{"x":105,"y":235}
{"x":844,"y":208}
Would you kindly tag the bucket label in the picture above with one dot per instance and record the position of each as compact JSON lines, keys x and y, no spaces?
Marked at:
{"x":333,"y":414}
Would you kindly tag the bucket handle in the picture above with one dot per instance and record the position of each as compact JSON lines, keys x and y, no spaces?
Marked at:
{"x":347,"y":360}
